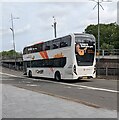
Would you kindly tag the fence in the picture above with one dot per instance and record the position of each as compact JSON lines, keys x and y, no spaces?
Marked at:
{"x":107,"y":71}
{"x":108,"y":52}
{"x":107,"y":68}
{"x":104,"y":69}
{"x":12,"y":66}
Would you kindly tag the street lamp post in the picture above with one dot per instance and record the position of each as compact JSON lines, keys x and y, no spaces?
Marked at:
{"x":98,"y":3}
{"x":12,"y":29}
{"x":99,"y":28}
{"x":54,"y":26}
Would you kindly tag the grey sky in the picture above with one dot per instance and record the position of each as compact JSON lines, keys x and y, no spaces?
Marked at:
{"x":35,"y":23}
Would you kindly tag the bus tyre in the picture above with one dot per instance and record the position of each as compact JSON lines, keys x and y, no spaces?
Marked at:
{"x":57,"y":76}
{"x":30,"y":74}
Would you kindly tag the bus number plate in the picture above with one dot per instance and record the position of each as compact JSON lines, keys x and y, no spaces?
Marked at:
{"x":85,"y":77}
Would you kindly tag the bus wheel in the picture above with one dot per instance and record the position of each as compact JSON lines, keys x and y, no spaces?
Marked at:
{"x":30,"y":74}
{"x":57,"y":76}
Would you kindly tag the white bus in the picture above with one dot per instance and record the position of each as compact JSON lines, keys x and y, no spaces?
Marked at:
{"x":69,"y":57}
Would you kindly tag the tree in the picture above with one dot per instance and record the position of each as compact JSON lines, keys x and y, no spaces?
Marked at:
{"x":10,"y":54}
{"x":109,"y":34}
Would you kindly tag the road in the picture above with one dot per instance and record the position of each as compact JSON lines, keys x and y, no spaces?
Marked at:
{"x":96,"y":93}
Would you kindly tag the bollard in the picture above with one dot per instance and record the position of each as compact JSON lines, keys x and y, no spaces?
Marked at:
{"x":106,"y":71}
{"x":103,"y":53}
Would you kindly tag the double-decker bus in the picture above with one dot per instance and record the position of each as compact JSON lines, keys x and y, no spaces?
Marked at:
{"x":69,"y":57}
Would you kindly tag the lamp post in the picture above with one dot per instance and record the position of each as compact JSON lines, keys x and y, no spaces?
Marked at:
{"x":54,"y":26}
{"x":12,"y":29}
{"x":98,"y":3}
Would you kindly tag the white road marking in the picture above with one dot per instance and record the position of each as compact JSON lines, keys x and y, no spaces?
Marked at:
{"x":73,"y":85}
{"x":10,"y":75}
{"x":32,"y":85}
{"x":93,"y":88}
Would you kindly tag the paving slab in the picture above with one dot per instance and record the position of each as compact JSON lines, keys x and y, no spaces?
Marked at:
{"x":22,"y":103}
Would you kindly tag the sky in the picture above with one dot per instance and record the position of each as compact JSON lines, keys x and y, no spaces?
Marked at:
{"x":36,"y":19}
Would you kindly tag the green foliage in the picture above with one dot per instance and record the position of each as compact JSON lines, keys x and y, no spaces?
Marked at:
{"x":106,"y":46}
{"x":10,"y":54}
{"x":109,"y":35}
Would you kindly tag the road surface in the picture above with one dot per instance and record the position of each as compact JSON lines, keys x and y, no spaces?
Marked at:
{"x":88,"y":96}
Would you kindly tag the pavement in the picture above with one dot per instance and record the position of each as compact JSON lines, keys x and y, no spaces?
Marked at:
{"x":22,"y":103}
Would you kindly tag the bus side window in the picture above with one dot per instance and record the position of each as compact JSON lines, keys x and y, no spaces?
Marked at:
{"x":47,"y":47}
{"x":40,"y":47}
{"x":25,"y":51}
{"x":29,"y":50}
{"x":65,"y":41}
{"x":68,"y":40}
{"x":34,"y":48}
{"x":63,"y":44}
{"x":55,"y":46}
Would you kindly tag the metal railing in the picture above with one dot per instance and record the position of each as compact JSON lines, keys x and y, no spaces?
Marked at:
{"x":109,"y":52}
{"x":107,"y":71}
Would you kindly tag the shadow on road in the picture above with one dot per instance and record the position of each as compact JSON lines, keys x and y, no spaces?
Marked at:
{"x":64,"y":81}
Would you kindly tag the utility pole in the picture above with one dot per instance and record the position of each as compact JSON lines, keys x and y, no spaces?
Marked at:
{"x":99,"y":28}
{"x":54,"y":26}
{"x":12,"y":29}
{"x":98,"y":3}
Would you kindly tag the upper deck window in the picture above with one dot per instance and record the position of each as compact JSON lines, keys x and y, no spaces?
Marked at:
{"x":65,"y":41}
{"x":49,"y":45}
{"x":25,"y":51}
{"x":55,"y":46}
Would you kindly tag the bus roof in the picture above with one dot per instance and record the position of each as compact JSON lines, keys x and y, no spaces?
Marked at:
{"x":82,"y":34}
{"x":75,"y":34}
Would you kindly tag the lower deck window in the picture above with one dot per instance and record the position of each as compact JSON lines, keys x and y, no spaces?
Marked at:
{"x":53,"y":62}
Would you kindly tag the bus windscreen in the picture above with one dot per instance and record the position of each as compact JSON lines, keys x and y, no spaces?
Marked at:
{"x":84,"y":51}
